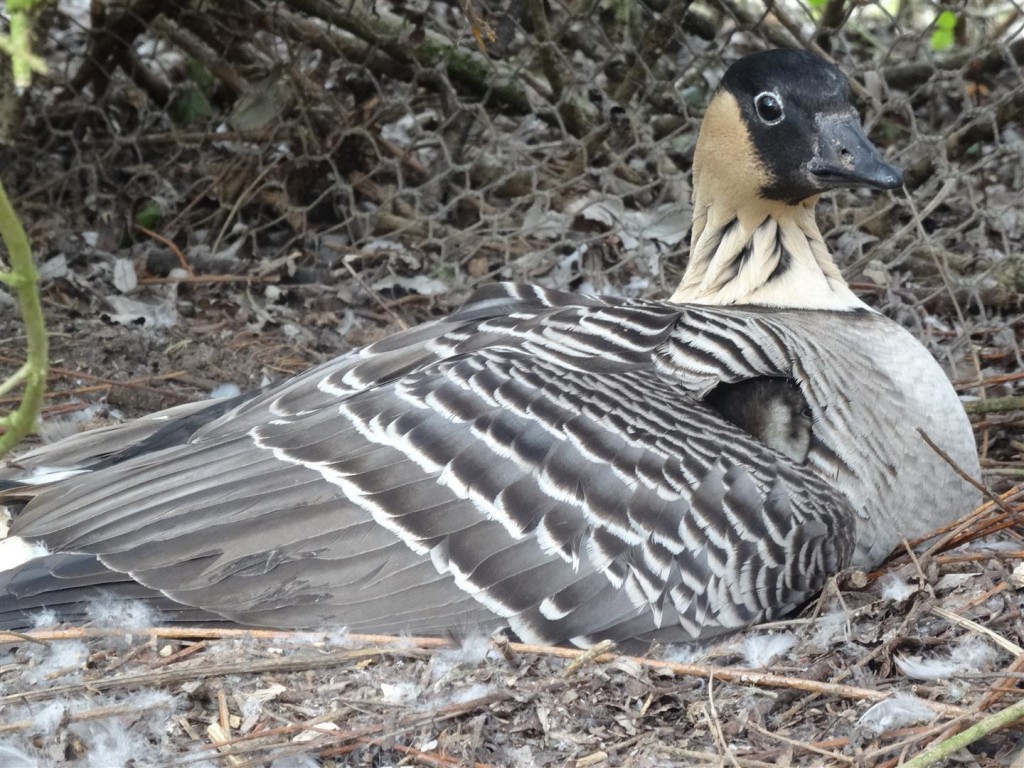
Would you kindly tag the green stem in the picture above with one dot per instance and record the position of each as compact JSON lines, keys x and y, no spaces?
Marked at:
{"x":24,"y":281}
{"x":995,"y":404}
{"x":14,"y":380}
{"x":990,"y":724}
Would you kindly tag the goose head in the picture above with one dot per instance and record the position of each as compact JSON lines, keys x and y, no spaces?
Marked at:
{"x":780,"y":130}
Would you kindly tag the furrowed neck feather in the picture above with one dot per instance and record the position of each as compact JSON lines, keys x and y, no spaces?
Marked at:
{"x":767,"y":253}
{"x":746,"y":249}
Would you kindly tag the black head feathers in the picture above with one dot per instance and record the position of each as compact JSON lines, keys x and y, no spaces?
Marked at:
{"x":799,"y":113}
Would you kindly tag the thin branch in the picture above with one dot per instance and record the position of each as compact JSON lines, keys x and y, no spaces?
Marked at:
{"x":989,"y":725}
{"x":415,"y":646}
{"x":182,"y":672}
{"x":996,"y":404}
{"x":133,"y":710}
{"x":956,"y":468}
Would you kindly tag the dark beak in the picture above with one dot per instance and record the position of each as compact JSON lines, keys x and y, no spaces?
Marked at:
{"x":845,"y":157}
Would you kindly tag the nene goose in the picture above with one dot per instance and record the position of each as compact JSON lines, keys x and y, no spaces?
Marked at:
{"x":571,"y":467}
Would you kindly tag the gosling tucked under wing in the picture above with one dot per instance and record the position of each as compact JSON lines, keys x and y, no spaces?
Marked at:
{"x":575,"y":467}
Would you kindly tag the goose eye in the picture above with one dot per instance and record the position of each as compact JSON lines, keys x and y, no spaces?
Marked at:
{"x":769,"y":107}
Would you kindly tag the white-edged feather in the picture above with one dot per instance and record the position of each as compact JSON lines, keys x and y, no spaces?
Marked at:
{"x":15,"y":551}
{"x":761,"y":650}
{"x":901,"y":710}
{"x":971,"y":656}
{"x":115,"y":613}
{"x":13,"y":757}
{"x":893,"y":588}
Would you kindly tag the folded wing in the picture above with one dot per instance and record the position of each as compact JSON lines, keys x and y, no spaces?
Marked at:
{"x":535,"y":459}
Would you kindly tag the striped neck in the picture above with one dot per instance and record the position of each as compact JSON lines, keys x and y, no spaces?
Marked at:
{"x":769,"y":254}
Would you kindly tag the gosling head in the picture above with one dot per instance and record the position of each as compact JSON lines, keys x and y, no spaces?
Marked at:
{"x":782,"y":128}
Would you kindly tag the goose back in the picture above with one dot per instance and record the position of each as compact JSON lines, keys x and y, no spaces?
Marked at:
{"x":540,"y":459}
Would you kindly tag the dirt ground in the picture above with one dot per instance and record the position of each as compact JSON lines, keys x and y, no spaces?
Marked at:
{"x":881,"y":673}
{"x":185,"y":245}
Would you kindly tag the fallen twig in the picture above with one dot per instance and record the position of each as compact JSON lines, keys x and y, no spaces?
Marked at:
{"x":415,"y":646}
{"x":990,"y":724}
{"x":182,"y":672}
{"x":974,"y":626}
{"x":133,"y":709}
{"x":996,"y":404}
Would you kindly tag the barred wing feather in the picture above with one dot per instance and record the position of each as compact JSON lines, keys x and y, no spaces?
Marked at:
{"x":535,"y":459}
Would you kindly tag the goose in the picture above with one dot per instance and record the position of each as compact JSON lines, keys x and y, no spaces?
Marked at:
{"x":563,"y":467}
